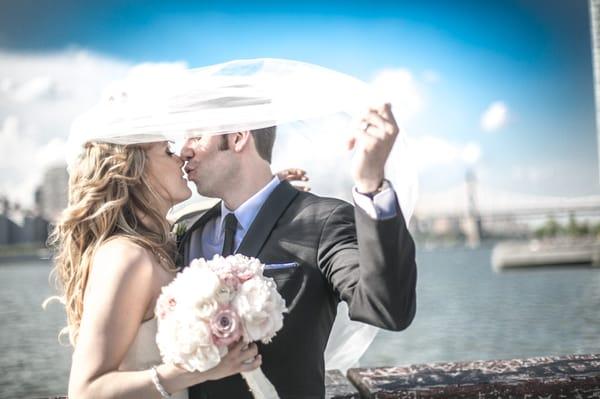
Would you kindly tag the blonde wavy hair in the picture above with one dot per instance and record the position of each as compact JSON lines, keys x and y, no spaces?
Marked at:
{"x":109,"y":191}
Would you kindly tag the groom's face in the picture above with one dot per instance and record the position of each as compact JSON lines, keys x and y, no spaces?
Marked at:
{"x":209,"y":163}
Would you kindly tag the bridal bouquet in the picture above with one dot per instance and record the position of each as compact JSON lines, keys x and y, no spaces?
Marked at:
{"x":210,"y":305}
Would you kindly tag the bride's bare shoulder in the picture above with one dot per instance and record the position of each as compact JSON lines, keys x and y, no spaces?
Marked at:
{"x":121,"y":245}
{"x":121,"y":281}
{"x":121,"y":256}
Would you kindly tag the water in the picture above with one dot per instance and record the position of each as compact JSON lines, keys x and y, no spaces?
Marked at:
{"x":465,"y":312}
{"x":32,"y":363}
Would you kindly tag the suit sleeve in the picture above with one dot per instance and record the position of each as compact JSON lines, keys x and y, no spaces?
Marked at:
{"x":370,"y":265}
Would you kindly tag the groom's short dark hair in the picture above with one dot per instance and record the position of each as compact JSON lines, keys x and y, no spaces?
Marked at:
{"x":264,"y":139}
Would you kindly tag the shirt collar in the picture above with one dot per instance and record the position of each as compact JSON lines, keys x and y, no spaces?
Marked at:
{"x":246,"y":212}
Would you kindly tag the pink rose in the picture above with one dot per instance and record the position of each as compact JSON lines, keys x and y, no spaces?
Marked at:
{"x":244,"y":273}
{"x":225,"y":327}
{"x":230,"y":280}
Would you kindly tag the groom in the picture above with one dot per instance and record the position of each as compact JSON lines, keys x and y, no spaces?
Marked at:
{"x":318,"y":250}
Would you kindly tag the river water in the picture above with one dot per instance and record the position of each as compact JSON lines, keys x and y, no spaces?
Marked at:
{"x":465,"y":311}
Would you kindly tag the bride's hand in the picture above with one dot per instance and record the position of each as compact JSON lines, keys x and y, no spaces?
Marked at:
{"x":296,"y":176}
{"x":241,"y":357}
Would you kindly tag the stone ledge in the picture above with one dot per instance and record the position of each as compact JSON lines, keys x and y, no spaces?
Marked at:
{"x":337,"y":386}
{"x":574,"y":376}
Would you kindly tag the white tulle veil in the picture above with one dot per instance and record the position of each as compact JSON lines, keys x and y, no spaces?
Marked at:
{"x":249,"y":94}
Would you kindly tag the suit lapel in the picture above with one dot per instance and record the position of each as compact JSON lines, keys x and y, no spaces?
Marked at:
{"x":199,"y":223}
{"x":266,"y":219}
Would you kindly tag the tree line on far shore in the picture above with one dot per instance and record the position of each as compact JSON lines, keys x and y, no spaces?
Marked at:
{"x":572,"y":228}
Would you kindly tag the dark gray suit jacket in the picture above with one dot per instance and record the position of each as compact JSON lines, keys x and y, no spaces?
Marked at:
{"x":337,"y":253}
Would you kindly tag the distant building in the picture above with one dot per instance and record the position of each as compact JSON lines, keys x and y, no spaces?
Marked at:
{"x":51,"y":197}
{"x":6,"y":230}
{"x":21,"y":227}
{"x":34,"y":229}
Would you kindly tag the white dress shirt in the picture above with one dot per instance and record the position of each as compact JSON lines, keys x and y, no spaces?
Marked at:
{"x":381,"y":206}
{"x":213,"y":233}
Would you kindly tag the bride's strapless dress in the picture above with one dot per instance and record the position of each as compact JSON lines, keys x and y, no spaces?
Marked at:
{"x":143,"y":353}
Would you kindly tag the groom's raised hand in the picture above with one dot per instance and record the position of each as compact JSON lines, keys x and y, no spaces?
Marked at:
{"x":372,"y":142}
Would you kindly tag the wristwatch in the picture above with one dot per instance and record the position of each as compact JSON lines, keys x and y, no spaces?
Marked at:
{"x":385,"y":184}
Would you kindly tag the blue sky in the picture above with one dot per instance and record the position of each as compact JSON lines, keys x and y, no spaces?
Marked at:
{"x":532,"y":58}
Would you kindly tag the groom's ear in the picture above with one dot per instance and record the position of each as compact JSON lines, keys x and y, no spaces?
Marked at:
{"x":240,"y":140}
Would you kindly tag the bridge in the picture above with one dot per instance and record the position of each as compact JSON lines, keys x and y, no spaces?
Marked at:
{"x":471,"y":208}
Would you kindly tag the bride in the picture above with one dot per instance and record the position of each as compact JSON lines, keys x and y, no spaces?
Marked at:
{"x":114,"y":253}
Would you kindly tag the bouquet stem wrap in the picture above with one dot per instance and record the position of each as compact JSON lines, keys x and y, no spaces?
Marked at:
{"x":259,"y":384}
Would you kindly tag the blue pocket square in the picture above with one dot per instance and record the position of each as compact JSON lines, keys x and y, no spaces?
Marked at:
{"x":276,"y":266}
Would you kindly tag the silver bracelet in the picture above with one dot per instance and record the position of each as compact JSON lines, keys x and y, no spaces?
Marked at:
{"x":158,"y":385}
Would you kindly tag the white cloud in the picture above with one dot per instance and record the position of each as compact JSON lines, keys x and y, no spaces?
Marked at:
{"x":16,"y":158}
{"x":10,"y":127}
{"x":400,"y":87}
{"x":39,"y":87}
{"x":494,"y":117}
{"x":40,"y":95}
{"x":431,"y":152}
{"x":6,"y":85}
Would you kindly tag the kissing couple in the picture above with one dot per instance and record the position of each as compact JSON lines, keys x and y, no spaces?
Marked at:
{"x":115,"y":250}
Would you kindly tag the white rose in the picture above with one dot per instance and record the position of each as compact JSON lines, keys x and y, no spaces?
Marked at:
{"x":206,"y":309}
{"x":205,"y":358}
{"x":261,"y":308}
{"x":205,"y":283}
{"x":190,"y":335}
{"x":225,"y":294}
{"x":167,"y":329}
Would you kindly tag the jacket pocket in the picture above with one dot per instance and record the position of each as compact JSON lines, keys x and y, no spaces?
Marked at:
{"x":283,"y":271}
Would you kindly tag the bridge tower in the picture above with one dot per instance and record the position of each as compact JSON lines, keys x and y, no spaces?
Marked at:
{"x":471,"y":224}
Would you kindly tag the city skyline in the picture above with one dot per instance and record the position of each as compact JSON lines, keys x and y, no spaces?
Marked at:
{"x":503,"y":87}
